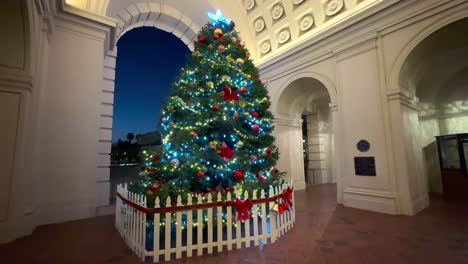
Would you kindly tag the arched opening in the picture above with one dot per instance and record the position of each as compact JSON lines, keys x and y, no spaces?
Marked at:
{"x":148,"y":60}
{"x":304,"y":131}
{"x":436,"y":73}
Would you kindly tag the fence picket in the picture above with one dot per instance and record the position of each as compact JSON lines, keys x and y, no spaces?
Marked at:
{"x":238,"y":231}
{"x":179,"y":229}
{"x":189,"y":227}
{"x":129,"y":219}
{"x":145,"y":204}
{"x":138,"y":227}
{"x":210,"y":225}
{"x":264,"y":218}
{"x":219,"y":215}
{"x":247,"y":224}
{"x":273,"y":232}
{"x":255,"y":220}
{"x":156,"y":233}
{"x":132,"y":237}
{"x":167,"y":232}
{"x":229,"y":223}
{"x":199,"y":228}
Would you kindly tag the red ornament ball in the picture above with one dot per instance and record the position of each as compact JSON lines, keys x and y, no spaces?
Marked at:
{"x":268,"y":151}
{"x":155,"y":158}
{"x":238,"y":175}
{"x":275,"y":170}
{"x":215,"y":107}
{"x":228,"y":189}
{"x":221,"y":48}
{"x":200,"y":174}
{"x":243,"y":90}
{"x":255,"y":114}
{"x":255,"y":128}
{"x":201,"y":39}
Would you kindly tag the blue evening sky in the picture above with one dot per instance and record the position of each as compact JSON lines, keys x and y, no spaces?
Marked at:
{"x":148,"y":60}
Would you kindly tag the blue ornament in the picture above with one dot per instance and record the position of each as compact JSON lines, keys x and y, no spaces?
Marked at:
{"x":218,"y":17}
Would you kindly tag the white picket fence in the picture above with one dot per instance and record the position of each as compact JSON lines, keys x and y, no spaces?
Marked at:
{"x":131,"y":224}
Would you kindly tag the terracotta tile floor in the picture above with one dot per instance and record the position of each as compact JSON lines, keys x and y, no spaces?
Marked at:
{"x":324,"y":233}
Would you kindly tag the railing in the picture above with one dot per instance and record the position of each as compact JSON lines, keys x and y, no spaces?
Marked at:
{"x":187,"y":230}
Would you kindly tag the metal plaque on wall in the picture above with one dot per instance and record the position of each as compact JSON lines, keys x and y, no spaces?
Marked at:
{"x":364,"y":166}
{"x":363,"y":145}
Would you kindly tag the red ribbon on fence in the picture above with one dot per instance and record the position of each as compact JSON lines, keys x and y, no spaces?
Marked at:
{"x":243,"y":209}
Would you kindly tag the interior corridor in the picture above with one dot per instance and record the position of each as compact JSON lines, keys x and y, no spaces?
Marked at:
{"x":324,"y":233}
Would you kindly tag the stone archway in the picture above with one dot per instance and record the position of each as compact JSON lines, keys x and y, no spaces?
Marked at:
{"x":145,"y":14}
{"x":423,"y":80}
{"x":310,"y":95}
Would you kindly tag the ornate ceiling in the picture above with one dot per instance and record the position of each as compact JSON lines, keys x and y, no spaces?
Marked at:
{"x":277,"y":25}
{"x":268,"y":27}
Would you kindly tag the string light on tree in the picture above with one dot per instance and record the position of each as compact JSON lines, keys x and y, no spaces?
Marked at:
{"x":216,"y":125}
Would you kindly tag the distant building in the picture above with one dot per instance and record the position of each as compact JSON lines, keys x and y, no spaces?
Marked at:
{"x":150,"y":138}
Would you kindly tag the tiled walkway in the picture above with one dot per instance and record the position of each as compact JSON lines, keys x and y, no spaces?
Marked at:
{"x":324,"y":233}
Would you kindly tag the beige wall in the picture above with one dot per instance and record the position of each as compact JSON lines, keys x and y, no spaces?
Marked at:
{"x":68,"y":132}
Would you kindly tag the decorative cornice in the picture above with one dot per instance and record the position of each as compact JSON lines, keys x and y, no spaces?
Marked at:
{"x":288,"y":122}
{"x":333,"y":106}
{"x":328,"y":32}
{"x":104,"y":20}
{"x":404,"y":97}
{"x":9,"y":79}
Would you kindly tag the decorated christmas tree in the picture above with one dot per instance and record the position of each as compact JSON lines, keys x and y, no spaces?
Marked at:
{"x":216,"y":126}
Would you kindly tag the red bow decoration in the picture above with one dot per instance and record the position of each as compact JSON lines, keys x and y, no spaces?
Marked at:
{"x":230,"y":95}
{"x":225,"y":152}
{"x":243,"y":209}
{"x":282,"y":207}
{"x":286,"y":195}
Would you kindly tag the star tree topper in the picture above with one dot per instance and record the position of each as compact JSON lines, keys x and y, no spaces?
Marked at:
{"x":218,"y":17}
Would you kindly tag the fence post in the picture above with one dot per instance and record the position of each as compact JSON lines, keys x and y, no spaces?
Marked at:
{"x":199,"y":228}
{"x":219,"y":210}
{"x":179,"y":229}
{"x":167,"y":232}
{"x":189,"y":227}
{"x":229,"y":222}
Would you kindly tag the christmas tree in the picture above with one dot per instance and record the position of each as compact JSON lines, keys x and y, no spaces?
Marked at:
{"x":216,"y":126}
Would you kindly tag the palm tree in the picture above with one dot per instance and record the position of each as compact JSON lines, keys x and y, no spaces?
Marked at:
{"x":130,"y":137}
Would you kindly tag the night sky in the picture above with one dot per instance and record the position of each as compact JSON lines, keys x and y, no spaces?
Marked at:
{"x":148,"y":61}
